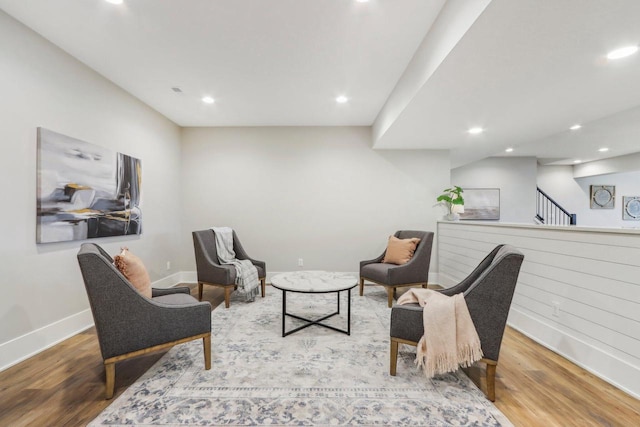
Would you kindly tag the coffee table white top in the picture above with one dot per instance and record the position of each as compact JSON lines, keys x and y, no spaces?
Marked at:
{"x":313,"y":281}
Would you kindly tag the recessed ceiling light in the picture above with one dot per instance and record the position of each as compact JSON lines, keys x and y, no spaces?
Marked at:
{"x":114,"y":1}
{"x":603,"y":149}
{"x":575,"y":127}
{"x":577,"y":161}
{"x":341,"y":99}
{"x":622,"y":52}
{"x":475,"y":131}
{"x":208,"y":100}
{"x":362,"y":1}
{"x":509,"y":150}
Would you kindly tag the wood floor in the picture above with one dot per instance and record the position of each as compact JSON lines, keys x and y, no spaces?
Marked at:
{"x":64,"y":385}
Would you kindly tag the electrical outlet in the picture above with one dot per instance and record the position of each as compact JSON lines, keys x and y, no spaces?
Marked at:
{"x":300,"y":262}
{"x":556,"y":309}
{"x":168,"y":265}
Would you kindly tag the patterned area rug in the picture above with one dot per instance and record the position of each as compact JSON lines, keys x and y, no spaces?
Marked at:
{"x":313,"y":377}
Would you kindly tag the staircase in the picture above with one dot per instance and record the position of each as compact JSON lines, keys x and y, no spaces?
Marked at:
{"x":549,"y":212}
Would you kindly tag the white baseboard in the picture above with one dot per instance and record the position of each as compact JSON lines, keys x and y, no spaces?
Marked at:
{"x":169,"y":281}
{"x":188,"y":277}
{"x":611,"y":369}
{"x":21,"y":348}
{"x":434,"y":278}
{"x":444,"y":280}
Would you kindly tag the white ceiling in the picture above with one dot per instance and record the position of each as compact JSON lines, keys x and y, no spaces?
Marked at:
{"x":266,"y":62}
{"x":525,"y":70}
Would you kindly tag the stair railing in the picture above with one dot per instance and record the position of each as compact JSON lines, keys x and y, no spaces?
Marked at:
{"x":548,"y":211}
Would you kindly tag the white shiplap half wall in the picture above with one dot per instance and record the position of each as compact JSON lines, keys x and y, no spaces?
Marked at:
{"x":578,"y":292}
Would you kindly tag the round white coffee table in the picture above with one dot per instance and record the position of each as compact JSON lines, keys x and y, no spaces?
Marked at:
{"x":314,"y":282}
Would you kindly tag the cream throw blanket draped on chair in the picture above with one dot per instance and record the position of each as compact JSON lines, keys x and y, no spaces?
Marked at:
{"x":246,"y":273}
{"x":450,"y":338}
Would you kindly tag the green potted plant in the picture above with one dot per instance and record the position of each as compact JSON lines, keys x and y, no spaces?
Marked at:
{"x":453,"y":200}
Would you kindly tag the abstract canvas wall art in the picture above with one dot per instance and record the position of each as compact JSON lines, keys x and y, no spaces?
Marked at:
{"x":85,"y":190}
{"x":481,"y":203}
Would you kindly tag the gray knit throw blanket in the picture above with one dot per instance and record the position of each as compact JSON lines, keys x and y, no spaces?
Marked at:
{"x":246,"y":273}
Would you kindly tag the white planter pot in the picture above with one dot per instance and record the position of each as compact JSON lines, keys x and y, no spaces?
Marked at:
{"x":452,"y":217}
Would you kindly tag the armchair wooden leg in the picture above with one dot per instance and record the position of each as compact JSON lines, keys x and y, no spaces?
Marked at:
{"x":393,"y":361}
{"x":263,"y":286}
{"x":110,"y":374}
{"x":227,"y":296}
{"x":390,"y":292}
{"x":200,"y":287}
{"x":361,"y":286}
{"x":491,"y":379}
{"x":206,"y":343}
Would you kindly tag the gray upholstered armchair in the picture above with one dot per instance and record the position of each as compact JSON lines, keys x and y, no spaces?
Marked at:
{"x":415,"y":272}
{"x":129,"y":324}
{"x":488,"y":292}
{"x":211,"y":272}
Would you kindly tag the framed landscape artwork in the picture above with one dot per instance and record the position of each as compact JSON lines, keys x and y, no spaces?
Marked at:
{"x":481,"y":203}
{"x":85,"y":190}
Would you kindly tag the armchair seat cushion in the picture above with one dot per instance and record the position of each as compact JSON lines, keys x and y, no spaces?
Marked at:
{"x":175,"y":299}
{"x":233,"y":274}
{"x":378,"y":272}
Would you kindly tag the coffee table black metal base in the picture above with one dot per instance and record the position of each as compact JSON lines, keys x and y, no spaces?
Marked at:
{"x":311,"y":322}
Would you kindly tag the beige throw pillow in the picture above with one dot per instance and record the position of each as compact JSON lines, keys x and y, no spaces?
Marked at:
{"x":400,"y":251}
{"x":132,"y":268}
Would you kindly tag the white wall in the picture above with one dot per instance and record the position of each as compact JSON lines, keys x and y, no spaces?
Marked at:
{"x":573,"y":194}
{"x":612,"y":165}
{"x":321,"y":194}
{"x":514,"y":176}
{"x":591,"y":274}
{"x":43,"y":298}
